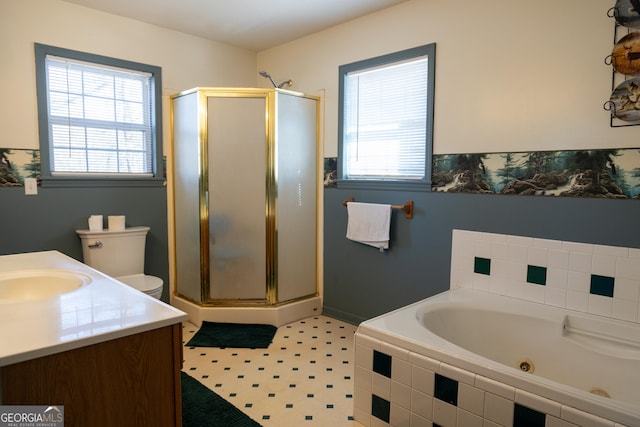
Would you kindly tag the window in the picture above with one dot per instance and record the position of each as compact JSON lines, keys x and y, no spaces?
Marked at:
{"x":386,"y":121}
{"x":99,"y":118}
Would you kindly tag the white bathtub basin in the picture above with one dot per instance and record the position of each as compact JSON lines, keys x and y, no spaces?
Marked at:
{"x":576,"y":362}
{"x":27,"y":285}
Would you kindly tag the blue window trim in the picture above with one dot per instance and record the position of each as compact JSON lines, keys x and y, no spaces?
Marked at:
{"x":428,"y":50}
{"x":47,"y":179}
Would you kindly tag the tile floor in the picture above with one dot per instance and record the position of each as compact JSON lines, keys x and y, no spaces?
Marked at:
{"x":304,"y":378}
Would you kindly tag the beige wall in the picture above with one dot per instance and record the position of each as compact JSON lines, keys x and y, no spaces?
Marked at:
{"x":186,"y":61}
{"x":510,"y":76}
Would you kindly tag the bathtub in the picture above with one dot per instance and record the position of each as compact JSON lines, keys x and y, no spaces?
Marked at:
{"x":504,"y":358}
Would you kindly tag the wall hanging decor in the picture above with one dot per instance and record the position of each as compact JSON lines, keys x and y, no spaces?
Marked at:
{"x":624,"y":102}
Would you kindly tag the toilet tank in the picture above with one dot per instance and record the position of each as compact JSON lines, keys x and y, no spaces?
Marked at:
{"x":115,"y":253}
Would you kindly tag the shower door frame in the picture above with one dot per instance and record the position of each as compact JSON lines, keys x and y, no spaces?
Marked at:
{"x":270,"y":97}
{"x":271,"y":291}
{"x":201,"y":230}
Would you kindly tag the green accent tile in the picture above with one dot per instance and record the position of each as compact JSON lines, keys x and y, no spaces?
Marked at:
{"x":446,"y":389}
{"x":382,"y":363}
{"x":601,"y":285}
{"x":537,"y":275}
{"x":482,"y":266}
{"x":523,"y":416}
{"x":380,"y":408}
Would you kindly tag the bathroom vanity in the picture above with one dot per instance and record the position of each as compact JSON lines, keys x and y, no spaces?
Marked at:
{"x":106,"y":352}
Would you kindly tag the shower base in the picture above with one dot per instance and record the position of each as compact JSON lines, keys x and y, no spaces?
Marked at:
{"x":273,"y":315}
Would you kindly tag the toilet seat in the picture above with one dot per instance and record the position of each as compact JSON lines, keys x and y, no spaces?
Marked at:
{"x":150,"y":285}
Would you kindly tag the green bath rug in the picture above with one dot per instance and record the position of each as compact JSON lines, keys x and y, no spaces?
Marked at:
{"x":201,"y":407}
{"x":234,"y":335}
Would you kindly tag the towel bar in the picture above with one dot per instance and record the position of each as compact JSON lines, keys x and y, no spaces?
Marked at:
{"x":407,"y":207}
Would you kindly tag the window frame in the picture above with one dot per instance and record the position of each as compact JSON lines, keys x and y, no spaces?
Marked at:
{"x":428,"y":50}
{"x":80,"y":179}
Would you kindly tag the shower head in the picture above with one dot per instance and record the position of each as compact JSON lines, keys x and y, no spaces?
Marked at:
{"x":266,"y":75}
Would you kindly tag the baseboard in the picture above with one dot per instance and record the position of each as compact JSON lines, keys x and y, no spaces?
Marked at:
{"x":342,"y":315}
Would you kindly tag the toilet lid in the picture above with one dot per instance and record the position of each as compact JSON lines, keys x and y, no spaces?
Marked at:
{"x":142,"y":282}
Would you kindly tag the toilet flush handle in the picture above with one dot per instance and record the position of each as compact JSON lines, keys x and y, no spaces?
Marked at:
{"x":97,"y":244}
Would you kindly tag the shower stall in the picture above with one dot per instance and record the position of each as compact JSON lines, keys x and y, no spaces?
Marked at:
{"x":245,"y":174}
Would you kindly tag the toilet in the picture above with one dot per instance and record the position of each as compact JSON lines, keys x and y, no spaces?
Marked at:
{"x":120,"y":254}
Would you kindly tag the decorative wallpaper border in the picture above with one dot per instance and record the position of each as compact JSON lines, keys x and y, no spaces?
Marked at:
{"x":16,"y":165}
{"x":330,"y":172}
{"x":581,"y":173}
{"x":611,"y":174}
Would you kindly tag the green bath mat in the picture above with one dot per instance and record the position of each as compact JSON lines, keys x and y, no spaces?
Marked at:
{"x":201,"y":407}
{"x":238,"y":335}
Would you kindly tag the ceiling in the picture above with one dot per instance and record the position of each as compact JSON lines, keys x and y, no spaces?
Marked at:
{"x":251,"y":24}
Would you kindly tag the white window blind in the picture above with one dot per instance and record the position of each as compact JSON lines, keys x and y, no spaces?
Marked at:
{"x":385,"y":121}
{"x":100,"y":119}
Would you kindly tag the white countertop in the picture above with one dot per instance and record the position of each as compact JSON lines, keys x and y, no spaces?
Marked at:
{"x":99,"y":311}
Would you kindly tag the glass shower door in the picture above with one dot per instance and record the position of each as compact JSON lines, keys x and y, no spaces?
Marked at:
{"x":296,"y":202}
{"x":237,"y":150}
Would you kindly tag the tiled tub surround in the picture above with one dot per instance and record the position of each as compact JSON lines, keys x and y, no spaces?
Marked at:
{"x":595,"y":279}
{"x":407,"y":375}
{"x":453,"y":360}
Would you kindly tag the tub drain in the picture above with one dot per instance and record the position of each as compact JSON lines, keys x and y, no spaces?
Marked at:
{"x":526,"y":365}
{"x":599,"y":392}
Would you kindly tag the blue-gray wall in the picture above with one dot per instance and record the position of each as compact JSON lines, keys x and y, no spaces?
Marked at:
{"x":48,"y":221}
{"x":360,"y":282}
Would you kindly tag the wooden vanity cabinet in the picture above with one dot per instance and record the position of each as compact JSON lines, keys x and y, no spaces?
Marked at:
{"x":128,"y":381}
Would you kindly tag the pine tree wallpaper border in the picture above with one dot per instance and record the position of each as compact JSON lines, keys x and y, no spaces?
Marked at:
{"x":611,"y":174}
{"x":16,"y":165}
{"x":580,"y":173}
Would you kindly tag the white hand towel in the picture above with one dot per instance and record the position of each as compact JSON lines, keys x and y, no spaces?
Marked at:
{"x":368,"y":223}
